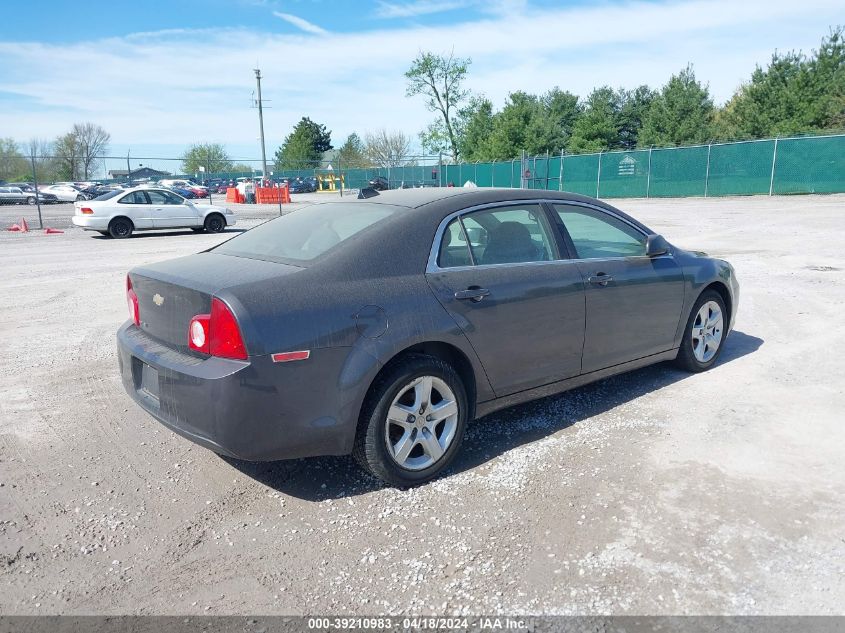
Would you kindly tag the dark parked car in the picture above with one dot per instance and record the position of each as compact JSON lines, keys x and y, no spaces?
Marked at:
{"x":380,"y":327}
{"x":299,"y":186}
{"x":379,"y":183}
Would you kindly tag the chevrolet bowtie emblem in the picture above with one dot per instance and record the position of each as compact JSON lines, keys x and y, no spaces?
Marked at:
{"x":158,"y":299}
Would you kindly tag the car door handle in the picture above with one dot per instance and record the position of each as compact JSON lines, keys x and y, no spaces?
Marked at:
{"x":473,"y":293}
{"x":600,"y":279}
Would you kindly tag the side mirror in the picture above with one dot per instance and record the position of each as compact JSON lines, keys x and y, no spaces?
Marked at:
{"x":656,"y":245}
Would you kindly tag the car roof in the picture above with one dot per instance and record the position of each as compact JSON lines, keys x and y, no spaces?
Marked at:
{"x":462,"y":197}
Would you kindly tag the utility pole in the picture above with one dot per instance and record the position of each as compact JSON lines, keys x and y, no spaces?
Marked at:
{"x":261,"y":122}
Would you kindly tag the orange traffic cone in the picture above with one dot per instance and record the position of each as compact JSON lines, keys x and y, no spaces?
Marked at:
{"x":49,"y":231}
{"x":24,"y":226}
{"x":14,"y":227}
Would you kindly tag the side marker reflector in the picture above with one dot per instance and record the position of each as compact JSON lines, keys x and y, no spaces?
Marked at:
{"x":286,"y":357}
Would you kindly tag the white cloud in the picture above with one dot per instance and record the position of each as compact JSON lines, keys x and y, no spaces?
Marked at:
{"x":417,"y":8}
{"x":192,"y":86}
{"x":301,"y":23}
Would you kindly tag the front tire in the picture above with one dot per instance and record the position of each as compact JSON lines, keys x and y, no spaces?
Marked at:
{"x":705,"y":333}
{"x":80,"y":198}
{"x":215,"y":223}
{"x":31,"y":200}
{"x":412,"y":422}
{"x":120,"y":228}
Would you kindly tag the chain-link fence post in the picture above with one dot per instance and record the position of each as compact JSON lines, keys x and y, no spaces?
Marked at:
{"x":774,"y":161}
{"x":648,"y":176}
{"x":707,"y":171}
{"x":560,"y":173}
{"x":598,"y":176}
{"x":35,"y":184}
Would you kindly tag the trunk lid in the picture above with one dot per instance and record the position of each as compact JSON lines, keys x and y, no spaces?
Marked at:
{"x":171,"y":293}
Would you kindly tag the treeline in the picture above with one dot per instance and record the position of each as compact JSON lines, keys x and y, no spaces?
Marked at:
{"x":307,"y":144}
{"x":71,"y":156}
{"x":794,"y":94}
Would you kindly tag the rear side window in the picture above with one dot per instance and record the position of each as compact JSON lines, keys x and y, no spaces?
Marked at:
{"x":304,"y":235}
{"x":135,"y":197}
{"x":454,"y":250}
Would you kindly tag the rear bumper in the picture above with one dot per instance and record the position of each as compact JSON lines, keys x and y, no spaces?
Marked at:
{"x":253,"y":410}
{"x":90,"y":223}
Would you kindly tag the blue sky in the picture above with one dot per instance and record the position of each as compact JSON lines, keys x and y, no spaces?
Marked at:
{"x":160,"y":75}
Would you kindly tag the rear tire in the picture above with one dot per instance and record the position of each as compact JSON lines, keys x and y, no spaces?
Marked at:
{"x":704,"y":334}
{"x":121,"y":228}
{"x":80,"y":198}
{"x":412,"y":422}
{"x":215,"y":223}
{"x":31,"y":200}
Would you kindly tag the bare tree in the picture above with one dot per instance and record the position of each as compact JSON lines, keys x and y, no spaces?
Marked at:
{"x":92,"y":141}
{"x":387,"y":149}
{"x":41,"y":152}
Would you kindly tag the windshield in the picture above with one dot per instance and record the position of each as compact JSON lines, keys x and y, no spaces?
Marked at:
{"x":303,"y":235}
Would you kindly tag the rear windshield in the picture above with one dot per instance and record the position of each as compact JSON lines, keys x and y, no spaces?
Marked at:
{"x":304,"y":235}
{"x":109,"y":195}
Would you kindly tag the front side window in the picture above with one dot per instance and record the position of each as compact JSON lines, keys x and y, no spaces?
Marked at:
{"x":163,"y":197}
{"x":598,"y":235}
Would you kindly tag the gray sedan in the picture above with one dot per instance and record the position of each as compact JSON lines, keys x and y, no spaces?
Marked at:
{"x":380,"y":327}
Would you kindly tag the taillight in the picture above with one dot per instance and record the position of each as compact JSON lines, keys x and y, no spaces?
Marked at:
{"x":87,"y":210}
{"x":132,"y":302}
{"x":217,"y":333}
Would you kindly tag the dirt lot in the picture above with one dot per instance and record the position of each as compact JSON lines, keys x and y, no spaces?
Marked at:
{"x":654,"y":492}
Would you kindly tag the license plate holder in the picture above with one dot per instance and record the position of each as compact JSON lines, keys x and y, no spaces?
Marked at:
{"x":148,"y":389}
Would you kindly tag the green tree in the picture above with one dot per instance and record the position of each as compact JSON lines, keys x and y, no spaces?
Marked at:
{"x":439,"y":79}
{"x":526,"y":123}
{"x":212,"y":157}
{"x":476,"y":122}
{"x":13,"y":164}
{"x":635,"y":104}
{"x":563,"y":109}
{"x":598,"y":128}
{"x":351,"y":153}
{"x":68,"y":157}
{"x":682,"y":113}
{"x":304,"y":146}
{"x":793,"y":94}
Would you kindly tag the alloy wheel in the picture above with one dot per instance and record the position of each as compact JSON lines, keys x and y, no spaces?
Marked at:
{"x":707,"y":332}
{"x":421,"y":423}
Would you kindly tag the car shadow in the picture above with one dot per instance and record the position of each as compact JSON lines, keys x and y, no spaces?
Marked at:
{"x":321,"y":478}
{"x":168,"y":233}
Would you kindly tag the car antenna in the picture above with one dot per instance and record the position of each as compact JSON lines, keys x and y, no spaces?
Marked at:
{"x":367,"y":192}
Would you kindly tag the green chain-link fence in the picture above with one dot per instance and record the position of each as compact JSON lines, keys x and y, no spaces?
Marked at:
{"x":777,"y":166}
{"x":812,"y":164}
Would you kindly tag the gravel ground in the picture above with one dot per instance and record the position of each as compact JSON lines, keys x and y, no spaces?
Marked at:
{"x":655,"y":492}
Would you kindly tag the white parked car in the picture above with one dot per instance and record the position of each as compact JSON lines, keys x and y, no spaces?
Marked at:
{"x":65,"y":193}
{"x":120,"y":213}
